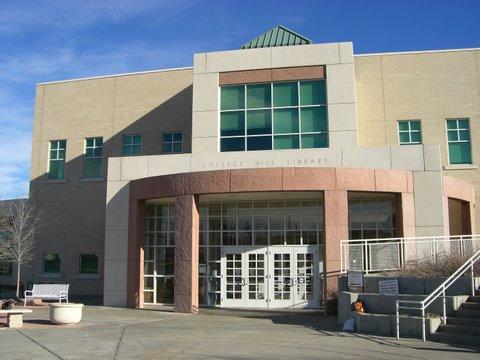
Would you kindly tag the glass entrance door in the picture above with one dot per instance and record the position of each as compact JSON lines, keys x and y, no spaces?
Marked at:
{"x":270,"y":277}
{"x":295,"y":279}
{"x":244,"y":277}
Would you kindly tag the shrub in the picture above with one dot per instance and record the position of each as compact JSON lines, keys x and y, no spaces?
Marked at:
{"x":443,"y":266}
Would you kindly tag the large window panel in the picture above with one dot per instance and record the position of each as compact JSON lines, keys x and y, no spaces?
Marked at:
{"x":258,"y":96}
{"x":285,"y":121}
{"x":459,"y":145}
{"x":253,"y":117}
{"x":259,"y":143}
{"x":314,"y":119}
{"x":233,"y":123}
{"x":233,"y":97}
{"x":285,"y":94}
{"x":259,"y":122}
{"x":313,"y":93}
{"x":286,"y":142}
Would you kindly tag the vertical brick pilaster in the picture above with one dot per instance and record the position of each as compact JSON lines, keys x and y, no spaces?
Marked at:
{"x":186,"y":254}
{"x":135,"y":254}
{"x":336,"y":229}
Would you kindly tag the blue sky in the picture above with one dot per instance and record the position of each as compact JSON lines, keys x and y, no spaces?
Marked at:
{"x":53,"y":40}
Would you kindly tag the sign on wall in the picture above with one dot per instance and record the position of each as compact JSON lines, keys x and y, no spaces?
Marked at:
{"x":388,"y":287}
{"x":355,"y":279}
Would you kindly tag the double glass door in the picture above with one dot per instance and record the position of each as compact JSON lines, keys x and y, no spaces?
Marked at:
{"x":270,"y":277}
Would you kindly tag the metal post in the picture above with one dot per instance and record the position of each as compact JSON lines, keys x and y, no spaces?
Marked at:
{"x":472,"y":277}
{"x":444,"y":306}
{"x":424,"y":337}
{"x":397,"y":313}
{"x":365,"y":257}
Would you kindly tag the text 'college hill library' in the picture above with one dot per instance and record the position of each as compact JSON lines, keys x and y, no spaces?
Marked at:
{"x":231,"y":183}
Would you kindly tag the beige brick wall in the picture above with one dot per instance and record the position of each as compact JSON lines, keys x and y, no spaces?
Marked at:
{"x":74,"y":210}
{"x":430,"y":86}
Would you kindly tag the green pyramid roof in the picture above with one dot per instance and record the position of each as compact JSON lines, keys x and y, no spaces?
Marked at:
{"x":278,"y":36}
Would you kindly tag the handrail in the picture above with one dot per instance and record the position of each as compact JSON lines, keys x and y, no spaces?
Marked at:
{"x":364,"y":253}
{"x":439,"y":291}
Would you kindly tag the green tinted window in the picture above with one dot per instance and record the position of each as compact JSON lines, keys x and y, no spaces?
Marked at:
{"x":409,"y":132}
{"x":314,"y":141}
{"x":314,"y":119}
{"x":285,"y":121}
{"x":259,"y":122}
{"x":88,"y":264}
{"x":286,"y":142}
{"x":259,"y":143}
{"x":278,"y":115}
{"x":285,"y":94}
{"x":258,"y":96}
{"x":132,"y":145}
{"x":232,"y":123}
{"x":93,"y":168}
{"x":312,"y":93}
{"x":56,"y":166}
{"x":172,"y":143}
{"x":233,"y":97}
{"x":93,"y":157}
{"x":458,"y":136}
{"x":460,"y":153}
{"x":232,"y":144}
{"x":51,"y":263}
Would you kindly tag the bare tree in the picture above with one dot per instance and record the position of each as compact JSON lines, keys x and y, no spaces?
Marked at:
{"x":18,"y":224}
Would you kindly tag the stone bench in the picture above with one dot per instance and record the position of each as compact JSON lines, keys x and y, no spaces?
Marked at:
{"x":15,"y":316}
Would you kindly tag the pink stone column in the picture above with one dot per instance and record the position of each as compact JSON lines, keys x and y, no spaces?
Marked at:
{"x":186,"y":254}
{"x":336,"y":229}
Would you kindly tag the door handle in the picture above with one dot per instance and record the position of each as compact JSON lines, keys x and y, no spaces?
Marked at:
{"x":244,"y":281}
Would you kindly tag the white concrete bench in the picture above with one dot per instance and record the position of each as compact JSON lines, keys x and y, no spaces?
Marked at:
{"x":47,"y":292}
{"x":15,"y":316}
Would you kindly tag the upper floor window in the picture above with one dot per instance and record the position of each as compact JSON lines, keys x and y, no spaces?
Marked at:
{"x":93,"y":157}
{"x":409,"y":132}
{"x":56,"y":161}
{"x":286,"y":115}
{"x":132,"y":145}
{"x":458,"y":136}
{"x":6,"y":268}
{"x":88,"y":264}
{"x":51,"y":264}
{"x":172,"y":142}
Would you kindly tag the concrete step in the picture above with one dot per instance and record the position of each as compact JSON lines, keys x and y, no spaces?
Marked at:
{"x":456,"y":339}
{"x":457,"y":320}
{"x":471,"y":305}
{"x":462,"y":312}
{"x":474,"y":299}
{"x":460,"y":329}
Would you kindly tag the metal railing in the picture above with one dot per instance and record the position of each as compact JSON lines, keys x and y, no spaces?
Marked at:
{"x":439,"y":291}
{"x":376,"y":255}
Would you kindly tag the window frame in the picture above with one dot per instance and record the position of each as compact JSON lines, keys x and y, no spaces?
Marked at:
{"x":458,"y":140}
{"x":172,"y":143}
{"x":44,"y":273}
{"x":272,"y":109}
{"x":131,"y":145}
{"x":50,"y":160}
{"x":409,"y":132}
{"x":80,"y":264}
{"x":4,"y":265}
{"x":85,"y":157}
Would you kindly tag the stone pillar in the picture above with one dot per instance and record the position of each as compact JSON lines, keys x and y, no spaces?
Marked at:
{"x":135,"y":254}
{"x":186,"y":254}
{"x":336,"y":229}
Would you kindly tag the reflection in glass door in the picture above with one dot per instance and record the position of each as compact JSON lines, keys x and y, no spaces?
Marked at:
{"x":272,"y":277}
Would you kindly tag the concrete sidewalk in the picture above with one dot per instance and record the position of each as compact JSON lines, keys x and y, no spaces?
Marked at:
{"x":111,"y":333}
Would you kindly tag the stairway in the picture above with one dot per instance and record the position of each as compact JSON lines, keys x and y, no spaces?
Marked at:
{"x":463,"y":328}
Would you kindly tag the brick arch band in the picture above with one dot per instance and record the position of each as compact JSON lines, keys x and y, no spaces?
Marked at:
{"x":186,"y":187}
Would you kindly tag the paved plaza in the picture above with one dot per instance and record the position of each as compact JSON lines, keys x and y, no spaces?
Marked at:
{"x":113,"y":333}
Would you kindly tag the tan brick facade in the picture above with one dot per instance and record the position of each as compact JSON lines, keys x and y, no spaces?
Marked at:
{"x":429,"y":86}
